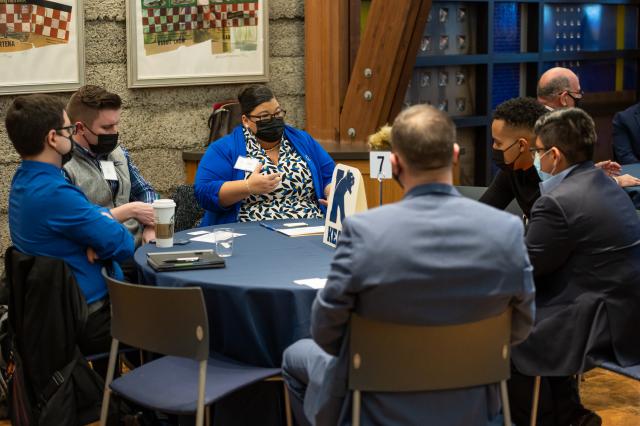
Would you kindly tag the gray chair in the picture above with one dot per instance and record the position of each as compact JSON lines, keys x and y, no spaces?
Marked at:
{"x":171,"y":321}
{"x":475,"y":192}
{"x":389,"y":357}
{"x":188,"y":211}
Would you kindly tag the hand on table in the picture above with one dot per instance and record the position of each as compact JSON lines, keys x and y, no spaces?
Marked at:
{"x":627,"y":180}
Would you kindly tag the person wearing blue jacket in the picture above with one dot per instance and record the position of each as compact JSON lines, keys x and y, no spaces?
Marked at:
{"x":264,"y":169}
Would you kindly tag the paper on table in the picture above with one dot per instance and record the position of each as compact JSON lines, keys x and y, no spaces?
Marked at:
{"x":299,"y":232}
{"x":293,"y":225}
{"x":197,"y":233}
{"x":312,"y":282}
{"x":212,"y":237}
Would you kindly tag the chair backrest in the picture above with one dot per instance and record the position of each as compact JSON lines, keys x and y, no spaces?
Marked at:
{"x":170,"y":321}
{"x":188,"y":212}
{"x":389,"y":357}
{"x":225,"y":116}
{"x":475,"y":192}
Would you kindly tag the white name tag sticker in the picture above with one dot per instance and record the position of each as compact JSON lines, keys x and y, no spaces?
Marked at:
{"x":246,"y":164}
{"x":108,"y":170}
{"x":380,"y":165}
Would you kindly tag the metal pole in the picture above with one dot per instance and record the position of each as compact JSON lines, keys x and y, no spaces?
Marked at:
{"x":380,"y":177}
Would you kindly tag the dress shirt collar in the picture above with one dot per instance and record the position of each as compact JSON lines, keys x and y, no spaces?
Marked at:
{"x":431,"y":188}
{"x":41,"y":166}
{"x":553,"y":182}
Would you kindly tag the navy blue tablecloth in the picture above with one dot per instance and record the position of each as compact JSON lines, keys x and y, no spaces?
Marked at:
{"x":633,"y":191}
{"x":255,"y":310}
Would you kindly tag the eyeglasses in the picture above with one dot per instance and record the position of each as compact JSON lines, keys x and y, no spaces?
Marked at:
{"x":267,"y":118}
{"x":541,"y":150}
{"x":575,"y":98}
{"x":72,"y":129}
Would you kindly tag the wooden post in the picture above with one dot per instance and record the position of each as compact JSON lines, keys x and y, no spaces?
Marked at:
{"x":326,"y":65}
{"x":387,"y":51}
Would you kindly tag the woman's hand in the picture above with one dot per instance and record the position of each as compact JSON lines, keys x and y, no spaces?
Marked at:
{"x":258,"y":183}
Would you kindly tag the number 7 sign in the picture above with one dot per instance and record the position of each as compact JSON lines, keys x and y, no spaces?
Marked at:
{"x":380,"y":165}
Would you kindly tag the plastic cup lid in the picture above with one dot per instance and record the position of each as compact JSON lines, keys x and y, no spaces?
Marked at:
{"x":163,"y":203}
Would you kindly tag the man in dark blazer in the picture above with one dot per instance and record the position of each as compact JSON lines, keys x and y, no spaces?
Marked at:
{"x":583,"y":240}
{"x":626,"y":135}
{"x":433,"y":258}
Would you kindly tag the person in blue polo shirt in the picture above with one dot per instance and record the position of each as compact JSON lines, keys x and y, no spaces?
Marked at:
{"x":264,"y":169}
{"x":50,"y":217}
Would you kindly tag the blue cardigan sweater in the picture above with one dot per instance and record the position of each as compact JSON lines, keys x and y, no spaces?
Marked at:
{"x":216,"y":168}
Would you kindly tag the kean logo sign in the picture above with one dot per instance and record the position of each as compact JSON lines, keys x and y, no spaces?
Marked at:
{"x":347,"y":198}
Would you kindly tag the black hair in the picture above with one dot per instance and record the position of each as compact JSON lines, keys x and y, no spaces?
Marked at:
{"x":253,"y":96}
{"x":29,"y":120}
{"x":520,"y":112}
{"x":571,"y":130}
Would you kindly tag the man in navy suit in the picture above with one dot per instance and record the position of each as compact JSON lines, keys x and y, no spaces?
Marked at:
{"x":433,"y":258}
{"x":626,"y":135}
{"x":583,"y":240}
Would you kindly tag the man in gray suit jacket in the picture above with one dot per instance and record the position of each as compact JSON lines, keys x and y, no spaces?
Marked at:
{"x":432,"y":258}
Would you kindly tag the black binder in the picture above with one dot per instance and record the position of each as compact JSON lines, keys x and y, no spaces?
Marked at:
{"x":184,"y":260}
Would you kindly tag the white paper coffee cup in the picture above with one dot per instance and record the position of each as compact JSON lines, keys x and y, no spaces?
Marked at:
{"x":164,"y":211}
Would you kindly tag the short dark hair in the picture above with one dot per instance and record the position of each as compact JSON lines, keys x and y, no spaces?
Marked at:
{"x":571,"y":130}
{"x":253,"y":96}
{"x":88,"y":101}
{"x":555,"y":86}
{"x":521,"y":113}
{"x":424,"y":137}
{"x":29,"y":120}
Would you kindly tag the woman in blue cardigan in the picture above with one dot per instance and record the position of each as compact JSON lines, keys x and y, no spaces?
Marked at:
{"x":264,"y":169}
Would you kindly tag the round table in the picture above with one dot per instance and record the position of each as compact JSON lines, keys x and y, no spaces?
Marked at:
{"x":255,"y":309}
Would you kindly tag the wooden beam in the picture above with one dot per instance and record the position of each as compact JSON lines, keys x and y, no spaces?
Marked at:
{"x":326,"y":65}
{"x":355,"y":13}
{"x":388,"y":48}
{"x":410,"y":59}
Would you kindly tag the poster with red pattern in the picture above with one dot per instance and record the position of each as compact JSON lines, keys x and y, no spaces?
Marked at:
{"x":39,"y":47}
{"x":187,"y":39}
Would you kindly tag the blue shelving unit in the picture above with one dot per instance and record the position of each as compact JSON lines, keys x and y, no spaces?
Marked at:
{"x":515,"y":42}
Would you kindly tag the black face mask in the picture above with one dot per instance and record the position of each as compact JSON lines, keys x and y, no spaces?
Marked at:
{"x":498,"y":158}
{"x":106,"y":144}
{"x":271,"y":131}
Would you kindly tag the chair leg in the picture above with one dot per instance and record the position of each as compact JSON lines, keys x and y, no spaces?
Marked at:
{"x":201,"y":386}
{"x":104,"y":412}
{"x":506,"y":409}
{"x":355,"y":420}
{"x":536,"y":397}
{"x":287,"y":404}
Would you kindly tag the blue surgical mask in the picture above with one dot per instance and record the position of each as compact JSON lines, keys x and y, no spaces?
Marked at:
{"x":536,"y":163}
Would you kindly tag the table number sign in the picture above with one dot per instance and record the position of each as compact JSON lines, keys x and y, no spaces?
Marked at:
{"x":380,"y":165}
{"x":347,"y":198}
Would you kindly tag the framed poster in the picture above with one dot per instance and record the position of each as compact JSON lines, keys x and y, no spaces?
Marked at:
{"x":41,"y":49}
{"x":189,"y":42}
